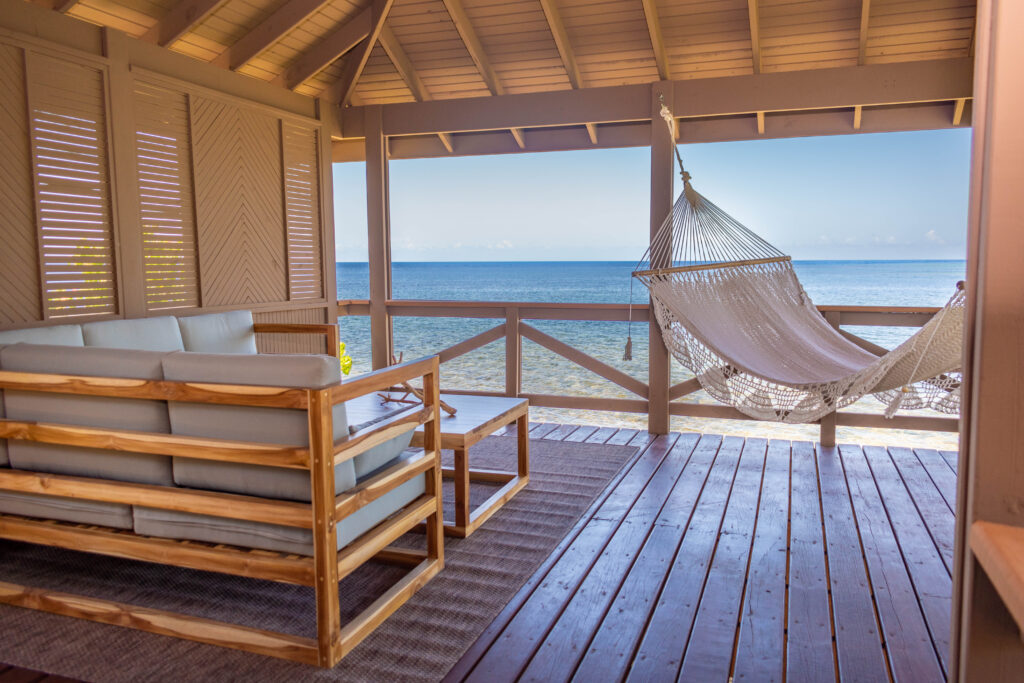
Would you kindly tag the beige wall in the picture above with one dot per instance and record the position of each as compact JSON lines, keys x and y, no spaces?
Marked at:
{"x":139,"y":182}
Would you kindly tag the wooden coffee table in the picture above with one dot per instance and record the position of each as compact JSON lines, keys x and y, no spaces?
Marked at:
{"x":478,"y":417}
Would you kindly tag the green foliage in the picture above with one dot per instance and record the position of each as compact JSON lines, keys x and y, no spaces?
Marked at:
{"x":344,"y":359}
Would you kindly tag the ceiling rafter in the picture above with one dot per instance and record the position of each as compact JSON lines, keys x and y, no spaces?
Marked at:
{"x":755,"y":50}
{"x":476,"y":52}
{"x":185,"y":16}
{"x":269,"y":31}
{"x":958,"y":110}
{"x":865,"y":19}
{"x":565,"y":51}
{"x":405,"y":69}
{"x":332,"y":46}
{"x":657,"y":42}
{"x":344,"y":88}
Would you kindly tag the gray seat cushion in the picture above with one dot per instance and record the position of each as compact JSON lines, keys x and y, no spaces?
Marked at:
{"x":267,"y":425}
{"x":143,"y":334}
{"x":66,"y":509}
{"x":230,"y":332}
{"x":56,"y":335}
{"x":189,"y":526}
{"x":90,"y":411}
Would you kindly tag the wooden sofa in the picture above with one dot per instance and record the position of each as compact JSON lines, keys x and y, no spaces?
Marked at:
{"x":171,"y":440}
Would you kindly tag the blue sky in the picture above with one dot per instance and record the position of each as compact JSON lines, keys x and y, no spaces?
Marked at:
{"x":879,"y":196}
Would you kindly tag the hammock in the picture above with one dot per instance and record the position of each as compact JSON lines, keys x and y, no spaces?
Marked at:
{"x":732,"y":311}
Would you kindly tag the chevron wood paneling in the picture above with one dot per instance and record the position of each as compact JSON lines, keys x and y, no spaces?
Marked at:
{"x":19,"y":263}
{"x":163,"y":158}
{"x":291,"y":343}
{"x":301,"y":154}
{"x":239,"y":207}
{"x":68,"y":122}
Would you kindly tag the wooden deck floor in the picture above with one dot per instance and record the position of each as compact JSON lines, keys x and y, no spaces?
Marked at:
{"x":710,"y":558}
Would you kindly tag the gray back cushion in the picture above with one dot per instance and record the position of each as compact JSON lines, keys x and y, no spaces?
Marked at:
{"x":242,"y":423}
{"x":230,"y":332}
{"x":91,"y":411}
{"x":3,"y":442}
{"x":143,"y":334}
{"x":56,"y":335}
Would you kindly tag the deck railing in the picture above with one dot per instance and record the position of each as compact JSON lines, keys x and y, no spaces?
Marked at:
{"x":516,"y":327}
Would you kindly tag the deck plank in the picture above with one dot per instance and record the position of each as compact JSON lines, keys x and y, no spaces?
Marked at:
{"x":612,"y":647}
{"x":912,"y":655}
{"x":952,"y":459}
{"x":581,"y":434}
{"x":858,"y":640}
{"x":560,"y":650}
{"x":929,"y":578}
{"x":761,"y":645}
{"x":601,"y":435}
{"x":622,"y":437}
{"x":661,"y":648}
{"x":932,"y":507}
{"x":512,"y":650}
{"x":941,"y":474}
{"x":541,"y":429}
{"x":708,"y":655}
{"x":561,"y":432}
{"x":809,"y":651}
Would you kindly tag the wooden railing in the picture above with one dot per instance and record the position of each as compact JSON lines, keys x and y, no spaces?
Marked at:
{"x":515,"y":328}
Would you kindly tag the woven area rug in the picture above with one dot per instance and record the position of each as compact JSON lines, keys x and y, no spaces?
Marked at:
{"x":420,"y":642}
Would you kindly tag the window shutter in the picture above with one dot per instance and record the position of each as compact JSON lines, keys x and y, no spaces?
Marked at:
{"x":166,"y":204}
{"x":302,"y":211}
{"x":67,"y":117}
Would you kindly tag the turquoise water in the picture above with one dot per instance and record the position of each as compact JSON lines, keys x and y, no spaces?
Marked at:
{"x":866,"y":283}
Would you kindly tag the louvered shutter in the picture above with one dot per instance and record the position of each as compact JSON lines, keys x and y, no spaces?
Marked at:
{"x":68,"y":130}
{"x":166,"y":204}
{"x":302,"y":210}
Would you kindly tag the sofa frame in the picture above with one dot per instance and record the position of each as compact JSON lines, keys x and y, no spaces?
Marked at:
{"x":323,"y":570}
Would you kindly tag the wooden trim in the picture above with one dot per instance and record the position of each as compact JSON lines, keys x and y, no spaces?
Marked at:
{"x":332,"y":46}
{"x":656,"y":272}
{"x":182,"y":18}
{"x":156,"y":443}
{"x":382,"y":379}
{"x":217,"y":504}
{"x":198,"y":629}
{"x":599,"y":368}
{"x":657,"y":41}
{"x":190,"y":555}
{"x":375,"y":487}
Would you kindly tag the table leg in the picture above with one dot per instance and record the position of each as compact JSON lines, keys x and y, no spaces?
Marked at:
{"x":523,"y":429}
{"x":461,"y":488}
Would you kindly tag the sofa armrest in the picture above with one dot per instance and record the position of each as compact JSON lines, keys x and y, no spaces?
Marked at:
{"x":328,"y":330}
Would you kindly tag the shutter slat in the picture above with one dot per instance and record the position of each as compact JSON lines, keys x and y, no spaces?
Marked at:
{"x":302,"y":210}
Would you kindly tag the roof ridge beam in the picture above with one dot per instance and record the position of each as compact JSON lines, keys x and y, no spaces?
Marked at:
{"x":657,"y":41}
{"x":182,"y":18}
{"x":267,"y":32}
{"x":565,"y":51}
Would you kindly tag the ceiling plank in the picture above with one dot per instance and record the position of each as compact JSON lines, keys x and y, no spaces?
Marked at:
{"x":412,"y":79}
{"x":331,"y":47}
{"x":566,"y":52}
{"x":476,"y":52}
{"x":185,"y":16}
{"x":269,"y":31}
{"x":865,"y":19}
{"x":755,"y":35}
{"x":657,"y":42}
{"x":356,"y":61}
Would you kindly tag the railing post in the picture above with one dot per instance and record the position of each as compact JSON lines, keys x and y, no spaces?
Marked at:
{"x":513,"y":353}
{"x":662,"y":190}
{"x":378,"y":232}
{"x":827,"y":436}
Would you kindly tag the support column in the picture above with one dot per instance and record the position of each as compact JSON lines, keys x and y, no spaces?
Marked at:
{"x":378,"y":231}
{"x":662,"y":197}
{"x":991,"y":479}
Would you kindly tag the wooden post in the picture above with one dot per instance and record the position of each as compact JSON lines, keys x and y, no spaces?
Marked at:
{"x":378,"y":231}
{"x":513,"y":353}
{"x":324,"y":112}
{"x":992,"y":432}
{"x":432,"y":444}
{"x":325,"y":535}
{"x":828,"y":430}
{"x":662,"y":197}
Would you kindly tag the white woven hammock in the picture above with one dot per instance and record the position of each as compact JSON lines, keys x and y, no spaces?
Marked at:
{"x":733,"y":312}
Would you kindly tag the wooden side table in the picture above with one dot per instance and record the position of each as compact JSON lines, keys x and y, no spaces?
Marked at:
{"x":478,"y":417}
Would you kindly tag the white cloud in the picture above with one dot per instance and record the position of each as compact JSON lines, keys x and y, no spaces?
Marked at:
{"x":933,"y":236}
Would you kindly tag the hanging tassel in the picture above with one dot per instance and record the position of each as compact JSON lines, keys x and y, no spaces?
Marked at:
{"x":894,"y":405}
{"x":628,"y":355}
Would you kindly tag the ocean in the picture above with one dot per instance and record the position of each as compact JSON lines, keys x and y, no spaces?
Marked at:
{"x":863,"y":283}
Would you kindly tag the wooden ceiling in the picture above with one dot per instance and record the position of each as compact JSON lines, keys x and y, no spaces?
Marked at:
{"x":389,"y":51}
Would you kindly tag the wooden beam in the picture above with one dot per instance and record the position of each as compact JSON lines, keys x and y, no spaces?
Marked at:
{"x":378,"y":226}
{"x":185,"y":16}
{"x":267,"y":32}
{"x":838,"y":88}
{"x":760,"y":123}
{"x":476,"y":52}
{"x":657,"y":41}
{"x":405,"y":69}
{"x":565,"y":51}
{"x":356,"y":62}
{"x":755,"y":34}
{"x":659,"y":378}
{"x":334,"y":45}
{"x":858,"y":112}
{"x":958,"y":110}
{"x":865,"y":19}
